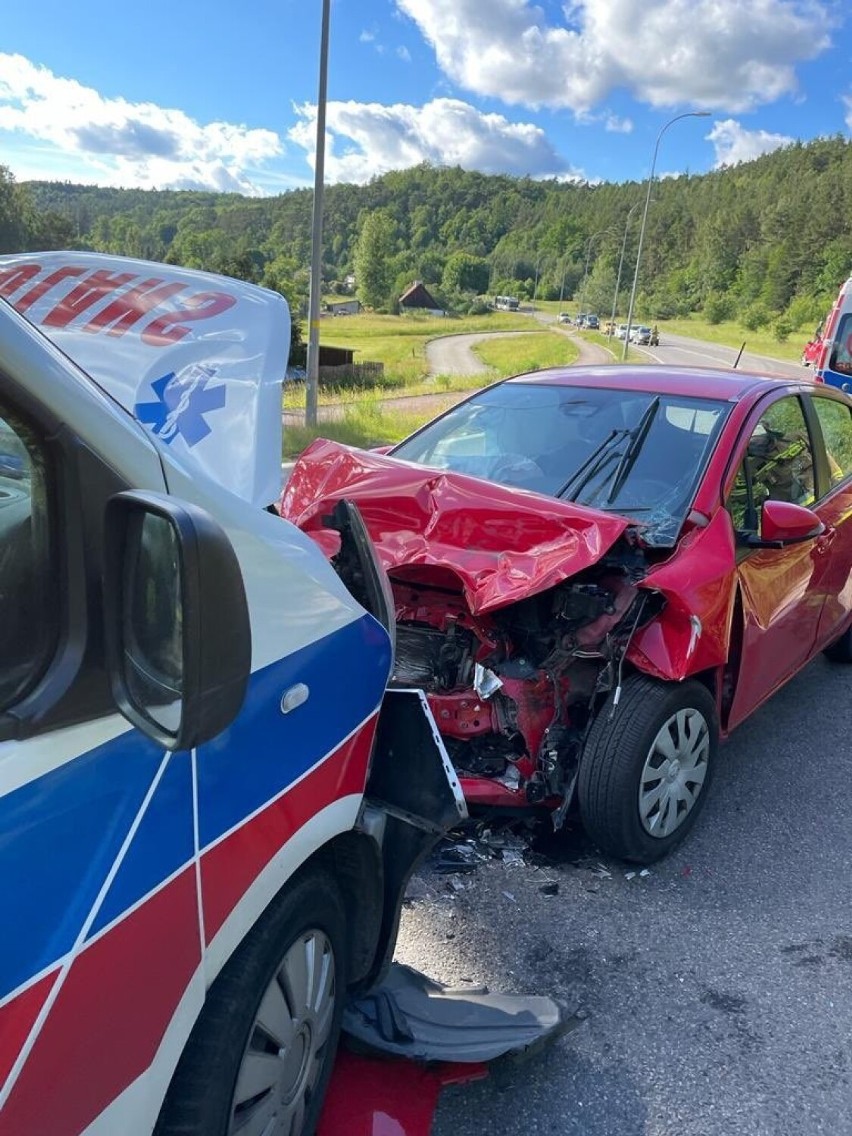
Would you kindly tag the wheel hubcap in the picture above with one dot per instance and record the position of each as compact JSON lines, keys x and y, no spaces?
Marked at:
{"x":674,"y":772}
{"x":284,"y":1056}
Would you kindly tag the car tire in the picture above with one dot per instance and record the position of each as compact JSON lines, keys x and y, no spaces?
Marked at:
{"x":840,"y":651}
{"x":656,"y":727}
{"x":265,"y":1042}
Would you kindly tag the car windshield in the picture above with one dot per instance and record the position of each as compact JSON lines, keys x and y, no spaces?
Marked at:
{"x":624,"y":451}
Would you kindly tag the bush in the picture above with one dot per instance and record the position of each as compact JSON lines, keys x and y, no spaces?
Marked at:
{"x":478,"y":307}
{"x":806,"y":312}
{"x":782,"y":330}
{"x":755,"y":316}
{"x":718,"y":307}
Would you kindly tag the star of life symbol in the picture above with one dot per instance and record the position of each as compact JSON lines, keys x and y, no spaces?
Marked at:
{"x":181,"y":404}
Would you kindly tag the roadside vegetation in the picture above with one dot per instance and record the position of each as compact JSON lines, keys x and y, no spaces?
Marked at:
{"x":364,"y":424}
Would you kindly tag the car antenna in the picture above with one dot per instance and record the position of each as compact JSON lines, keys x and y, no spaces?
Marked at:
{"x":739,"y":356}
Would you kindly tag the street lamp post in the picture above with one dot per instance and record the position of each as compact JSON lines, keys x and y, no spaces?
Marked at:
{"x":630,"y":213}
{"x":677,"y":118}
{"x":589,"y":244}
{"x":312,"y":380}
{"x":535,"y":286}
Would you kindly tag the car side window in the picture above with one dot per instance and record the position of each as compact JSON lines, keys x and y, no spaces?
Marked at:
{"x":841,"y":354}
{"x":835,"y":419}
{"x":778,"y":466}
{"x":27,"y":603}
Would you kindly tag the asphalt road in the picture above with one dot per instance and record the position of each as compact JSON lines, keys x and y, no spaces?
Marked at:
{"x":692,"y":352}
{"x":718,"y":988}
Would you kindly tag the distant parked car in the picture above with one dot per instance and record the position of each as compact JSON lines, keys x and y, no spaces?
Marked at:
{"x":592,"y":322}
{"x":564,"y":317}
{"x":580,"y":320}
{"x":621,"y":331}
{"x":640,"y":335}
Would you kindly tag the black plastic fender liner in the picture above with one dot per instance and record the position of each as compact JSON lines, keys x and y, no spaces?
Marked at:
{"x":412,"y":799}
{"x":410,"y":1015}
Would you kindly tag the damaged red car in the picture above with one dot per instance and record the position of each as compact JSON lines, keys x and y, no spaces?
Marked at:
{"x":598,"y":572}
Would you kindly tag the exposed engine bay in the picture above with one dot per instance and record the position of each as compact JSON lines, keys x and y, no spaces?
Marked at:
{"x":513,"y":612}
{"x":513,"y":690}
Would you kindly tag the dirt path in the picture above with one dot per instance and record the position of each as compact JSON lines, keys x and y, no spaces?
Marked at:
{"x":453,"y":354}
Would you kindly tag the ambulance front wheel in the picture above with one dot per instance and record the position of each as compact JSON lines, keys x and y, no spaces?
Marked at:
{"x":262,"y":1050}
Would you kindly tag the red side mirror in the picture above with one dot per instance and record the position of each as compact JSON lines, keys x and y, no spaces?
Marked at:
{"x":782,"y":522}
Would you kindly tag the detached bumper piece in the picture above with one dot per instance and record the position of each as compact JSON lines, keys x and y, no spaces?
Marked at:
{"x":387,"y":1096}
{"x":409,"y":1015}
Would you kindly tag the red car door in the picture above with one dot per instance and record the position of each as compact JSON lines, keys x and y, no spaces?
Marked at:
{"x":834,"y":576}
{"x":781,"y":604}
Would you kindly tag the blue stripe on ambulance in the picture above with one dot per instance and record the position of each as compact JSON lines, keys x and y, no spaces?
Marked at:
{"x":61,"y":833}
{"x":60,"y":836}
{"x":163,"y":842}
{"x":345,"y":685}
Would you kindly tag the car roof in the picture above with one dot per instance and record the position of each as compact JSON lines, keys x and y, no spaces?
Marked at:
{"x":700,"y":382}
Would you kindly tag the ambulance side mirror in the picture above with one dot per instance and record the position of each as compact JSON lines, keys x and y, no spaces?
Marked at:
{"x":176,"y":622}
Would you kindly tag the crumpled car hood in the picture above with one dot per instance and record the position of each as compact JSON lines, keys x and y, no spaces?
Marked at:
{"x":502,"y":544}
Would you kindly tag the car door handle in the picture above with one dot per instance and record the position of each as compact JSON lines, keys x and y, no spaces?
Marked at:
{"x":826,"y":539}
{"x":294,"y":697}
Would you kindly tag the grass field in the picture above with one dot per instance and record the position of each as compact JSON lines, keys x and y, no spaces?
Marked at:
{"x":531,"y":352}
{"x":364,"y":424}
{"x":400,"y":341}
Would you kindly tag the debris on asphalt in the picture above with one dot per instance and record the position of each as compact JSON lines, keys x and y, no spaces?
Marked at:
{"x":417,"y":889}
{"x":550,"y":888}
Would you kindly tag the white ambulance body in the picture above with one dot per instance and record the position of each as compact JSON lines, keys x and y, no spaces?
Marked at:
{"x":834,"y":365}
{"x":188,"y":886}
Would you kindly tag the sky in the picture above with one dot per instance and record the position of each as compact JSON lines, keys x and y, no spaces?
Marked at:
{"x":223,"y":95}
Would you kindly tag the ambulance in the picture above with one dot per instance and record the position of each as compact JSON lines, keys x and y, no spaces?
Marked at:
{"x":209,"y":805}
{"x":834,"y":365}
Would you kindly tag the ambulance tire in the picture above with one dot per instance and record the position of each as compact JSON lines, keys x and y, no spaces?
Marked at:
{"x":222,"y":1075}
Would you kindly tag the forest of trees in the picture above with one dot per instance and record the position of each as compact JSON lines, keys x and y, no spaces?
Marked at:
{"x":768,"y":241}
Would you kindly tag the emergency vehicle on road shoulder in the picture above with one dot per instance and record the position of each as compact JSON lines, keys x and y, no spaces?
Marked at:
{"x":190,"y":886}
{"x":834,"y":365}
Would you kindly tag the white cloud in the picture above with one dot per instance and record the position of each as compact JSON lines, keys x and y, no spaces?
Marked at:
{"x":404,"y":54}
{"x":129,"y":144}
{"x":735,"y":144}
{"x":617,"y":125}
{"x":727,"y":55}
{"x":366,"y":139}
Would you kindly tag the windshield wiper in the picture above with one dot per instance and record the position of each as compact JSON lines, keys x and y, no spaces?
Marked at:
{"x":600,"y":456}
{"x":637,"y":439}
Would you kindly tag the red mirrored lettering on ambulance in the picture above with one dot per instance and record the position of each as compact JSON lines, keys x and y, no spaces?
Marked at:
{"x":128,"y":308}
{"x":169,"y":328}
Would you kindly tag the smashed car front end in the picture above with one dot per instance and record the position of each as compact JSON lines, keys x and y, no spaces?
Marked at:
{"x":514,"y":612}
